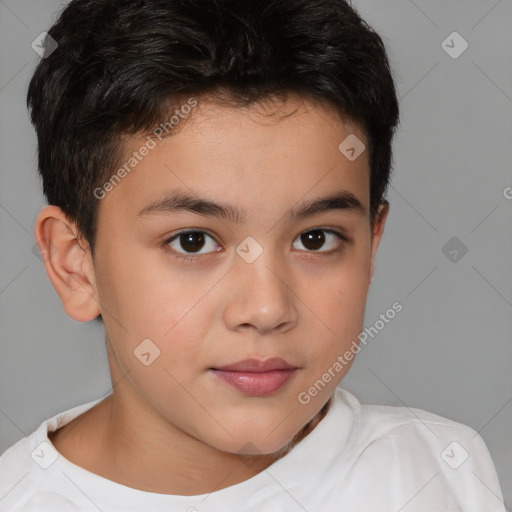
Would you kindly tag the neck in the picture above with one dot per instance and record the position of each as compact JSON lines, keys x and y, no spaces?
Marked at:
{"x":116,"y":435}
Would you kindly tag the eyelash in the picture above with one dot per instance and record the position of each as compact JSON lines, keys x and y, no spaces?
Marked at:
{"x":190,"y":258}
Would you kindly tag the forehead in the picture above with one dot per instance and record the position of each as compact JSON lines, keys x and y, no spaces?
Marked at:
{"x":270,"y":153}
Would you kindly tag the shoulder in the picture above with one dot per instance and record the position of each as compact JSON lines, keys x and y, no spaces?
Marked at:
{"x":373,"y":422}
{"x":29,"y":479}
{"x":17,"y":476}
{"x":14,"y":458}
{"x":415,"y":447}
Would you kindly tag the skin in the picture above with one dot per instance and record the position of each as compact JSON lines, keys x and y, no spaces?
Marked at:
{"x":185,"y":428}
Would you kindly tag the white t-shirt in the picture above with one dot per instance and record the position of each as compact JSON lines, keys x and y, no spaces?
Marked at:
{"x":359,"y":458}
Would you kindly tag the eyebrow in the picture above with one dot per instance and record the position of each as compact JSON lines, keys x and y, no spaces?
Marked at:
{"x":177,"y":202}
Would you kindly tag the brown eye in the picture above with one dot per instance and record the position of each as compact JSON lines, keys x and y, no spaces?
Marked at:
{"x":190,"y":243}
{"x":313,"y":240}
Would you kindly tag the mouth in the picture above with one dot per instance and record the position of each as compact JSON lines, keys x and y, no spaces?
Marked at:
{"x":255,"y":377}
{"x":257,"y":365}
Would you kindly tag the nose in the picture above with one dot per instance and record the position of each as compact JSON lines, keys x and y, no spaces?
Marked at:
{"x":260,"y":297}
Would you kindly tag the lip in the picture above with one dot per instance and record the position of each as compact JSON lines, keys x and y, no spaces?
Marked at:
{"x":254,"y":377}
{"x":257,"y":365}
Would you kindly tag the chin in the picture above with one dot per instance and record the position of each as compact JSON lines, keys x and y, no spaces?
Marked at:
{"x":254,"y":443}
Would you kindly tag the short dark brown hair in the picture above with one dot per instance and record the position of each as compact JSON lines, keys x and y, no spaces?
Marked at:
{"x":122,"y":65}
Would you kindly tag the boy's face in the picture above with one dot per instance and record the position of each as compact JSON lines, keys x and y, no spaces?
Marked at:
{"x":260,"y":288}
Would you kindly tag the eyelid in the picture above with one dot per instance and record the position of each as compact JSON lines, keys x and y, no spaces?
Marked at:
{"x":175,"y":235}
{"x":335,"y":230}
{"x":339,"y":233}
{"x":183,"y":256}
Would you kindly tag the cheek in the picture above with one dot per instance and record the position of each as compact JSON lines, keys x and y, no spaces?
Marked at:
{"x":142,"y":292}
{"x":170,"y":309}
{"x":342,"y":312}
{"x":345,"y":287}
{"x":339,"y":305}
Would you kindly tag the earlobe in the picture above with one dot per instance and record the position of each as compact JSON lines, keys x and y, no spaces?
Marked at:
{"x":377,"y":232}
{"x":68,"y":263}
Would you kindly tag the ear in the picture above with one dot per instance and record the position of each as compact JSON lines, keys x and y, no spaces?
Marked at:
{"x":377,"y":232}
{"x":68,"y":263}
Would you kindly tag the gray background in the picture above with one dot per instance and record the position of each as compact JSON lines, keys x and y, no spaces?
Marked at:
{"x":449,"y":351}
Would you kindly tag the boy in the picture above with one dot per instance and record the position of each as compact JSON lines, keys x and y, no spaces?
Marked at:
{"x":263,"y":130}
